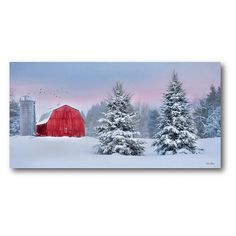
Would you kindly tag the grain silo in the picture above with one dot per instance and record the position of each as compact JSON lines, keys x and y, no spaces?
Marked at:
{"x":27,"y":116}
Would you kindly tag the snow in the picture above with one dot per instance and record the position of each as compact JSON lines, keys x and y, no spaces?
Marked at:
{"x":65,"y":152}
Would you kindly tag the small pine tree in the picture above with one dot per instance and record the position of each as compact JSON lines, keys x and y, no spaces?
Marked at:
{"x":116,"y":133}
{"x":176,"y":129}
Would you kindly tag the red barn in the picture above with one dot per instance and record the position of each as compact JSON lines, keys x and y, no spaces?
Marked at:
{"x":62,"y":121}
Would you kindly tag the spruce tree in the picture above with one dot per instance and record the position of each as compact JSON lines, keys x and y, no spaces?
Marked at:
{"x":116,"y":133}
{"x":213,"y":127}
{"x":207,"y":114}
{"x":176,"y":129}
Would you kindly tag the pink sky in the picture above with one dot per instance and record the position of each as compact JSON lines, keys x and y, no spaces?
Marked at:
{"x":85,"y":84}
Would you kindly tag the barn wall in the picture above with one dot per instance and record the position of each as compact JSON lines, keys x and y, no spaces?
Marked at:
{"x":41,"y":130}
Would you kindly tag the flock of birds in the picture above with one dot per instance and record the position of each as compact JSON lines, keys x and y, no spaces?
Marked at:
{"x":58,"y":93}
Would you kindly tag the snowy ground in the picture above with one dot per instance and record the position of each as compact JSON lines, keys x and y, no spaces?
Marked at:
{"x":48,"y":152}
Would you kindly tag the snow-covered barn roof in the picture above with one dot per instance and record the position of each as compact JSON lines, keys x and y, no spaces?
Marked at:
{"x":45,"y":117}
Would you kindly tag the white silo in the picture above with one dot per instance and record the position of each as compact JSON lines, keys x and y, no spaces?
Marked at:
{"x":27,"y":116}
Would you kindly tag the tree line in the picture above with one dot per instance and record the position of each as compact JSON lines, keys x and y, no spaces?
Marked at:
{"x":206,"y":114}
{"x":145,"y":120}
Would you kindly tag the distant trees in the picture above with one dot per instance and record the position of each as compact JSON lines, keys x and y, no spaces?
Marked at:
{"x":92,"y":117}
{"x":145,"y":119}
{"x":142,"y":117}
{"x":207,"y":114}
{"x":14,"y":115}
{"x":153,"y":122}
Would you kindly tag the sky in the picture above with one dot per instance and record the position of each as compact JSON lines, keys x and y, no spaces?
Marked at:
{"x":83,"y":84}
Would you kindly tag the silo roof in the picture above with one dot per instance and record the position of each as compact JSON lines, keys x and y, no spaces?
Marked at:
{"x":26,"y":98}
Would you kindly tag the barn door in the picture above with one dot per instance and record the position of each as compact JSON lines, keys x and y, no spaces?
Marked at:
{"x":66,"y":130}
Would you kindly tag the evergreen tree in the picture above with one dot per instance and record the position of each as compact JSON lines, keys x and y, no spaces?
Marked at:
{"x":116,"y":133}
{"x":213,"y":126}
{"x":212,"y":97}
{"x":14,"y":116}
{"x":207,"y":114}
{"x":177,"y":133}
{"x":200,"y":115}
{"x":218,"y":97}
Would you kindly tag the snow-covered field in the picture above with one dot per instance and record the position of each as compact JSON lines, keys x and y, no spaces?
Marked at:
{"x":48,"y":152}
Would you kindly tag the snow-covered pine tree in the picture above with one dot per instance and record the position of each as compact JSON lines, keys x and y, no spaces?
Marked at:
{"x":207,"y":114}
{"x":213,"y":127}
{"x":200,"y":116}
{"x":176,"y":129}
{"x":116,"y":132}
{"x":213,"y":122}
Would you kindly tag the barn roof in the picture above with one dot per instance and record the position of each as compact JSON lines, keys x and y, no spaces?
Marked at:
{"x":45,"y":117}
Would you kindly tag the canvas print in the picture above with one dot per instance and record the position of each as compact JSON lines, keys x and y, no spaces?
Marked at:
{"x":115,"y":115}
